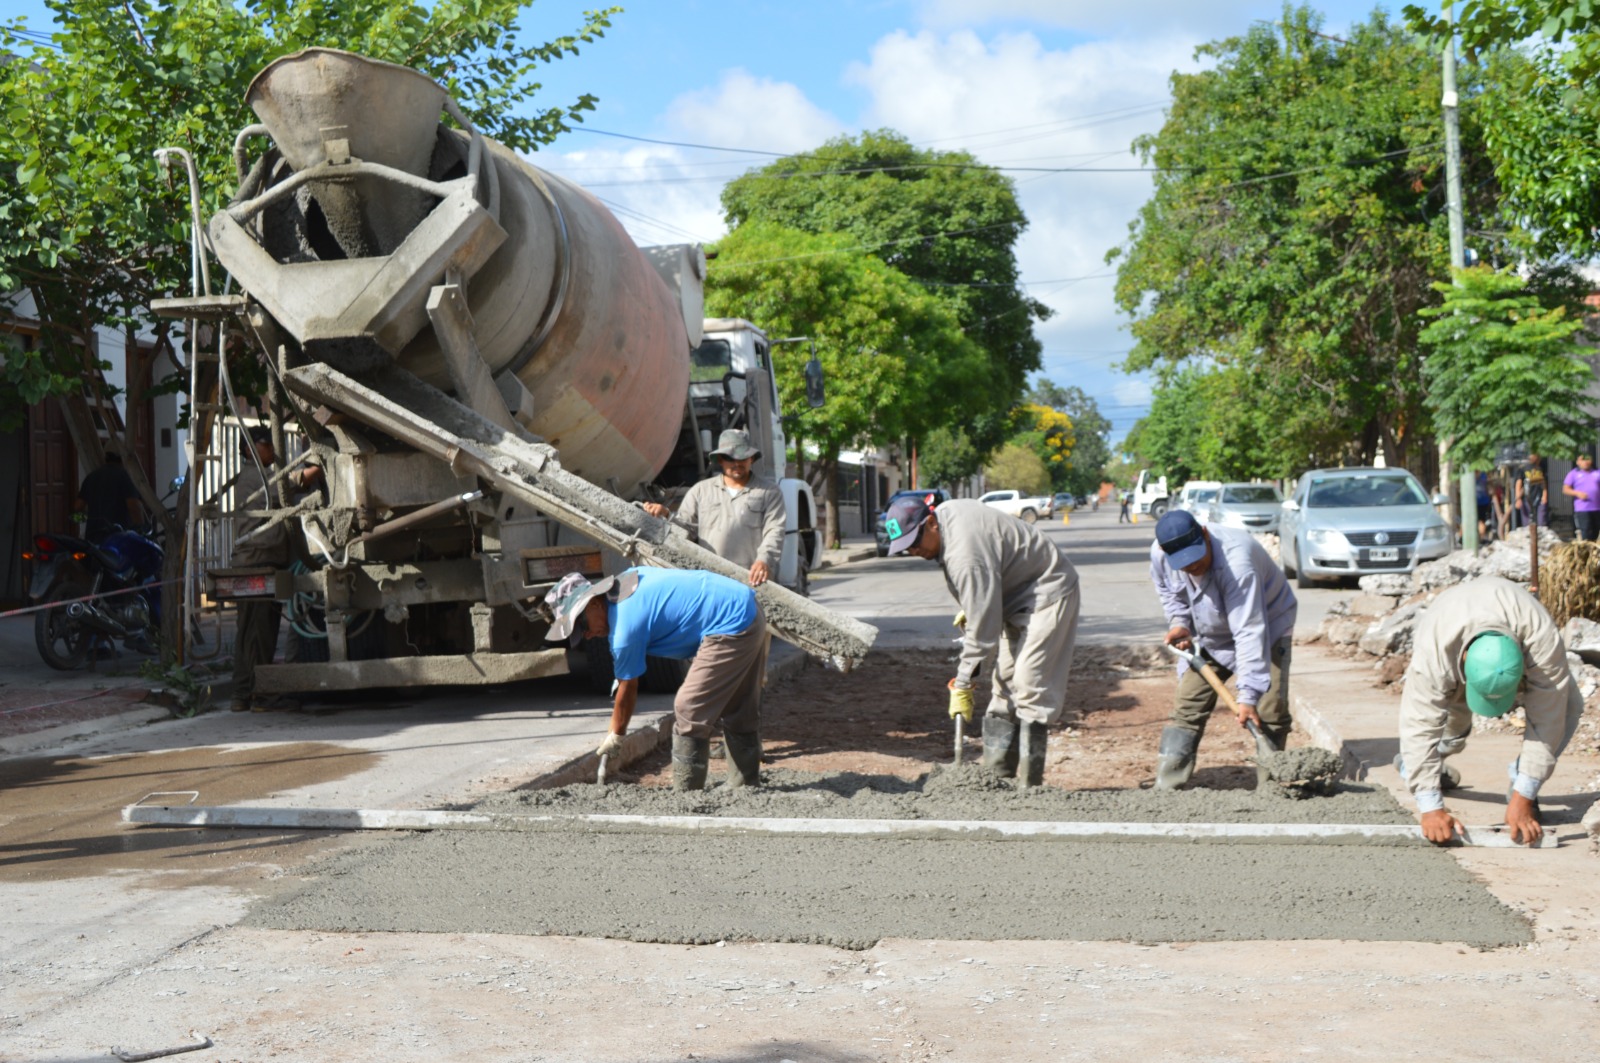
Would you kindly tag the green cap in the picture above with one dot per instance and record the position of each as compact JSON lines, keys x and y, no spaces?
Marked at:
{"x":1493,"y":670}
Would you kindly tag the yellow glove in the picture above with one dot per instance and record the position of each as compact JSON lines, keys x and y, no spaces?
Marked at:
{"x":961,"y":620}
{"x":960,"y":702}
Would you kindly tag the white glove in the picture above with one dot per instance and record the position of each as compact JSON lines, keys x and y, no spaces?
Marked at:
{"x":610,"y":747}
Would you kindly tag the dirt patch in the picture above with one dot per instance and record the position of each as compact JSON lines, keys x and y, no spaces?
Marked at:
{"x":888,"y":717}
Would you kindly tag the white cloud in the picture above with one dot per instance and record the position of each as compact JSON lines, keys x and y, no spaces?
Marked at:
{"x":748,"y":111}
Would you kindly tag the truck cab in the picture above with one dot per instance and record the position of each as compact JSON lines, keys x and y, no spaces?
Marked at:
{"x":1150,"y":495}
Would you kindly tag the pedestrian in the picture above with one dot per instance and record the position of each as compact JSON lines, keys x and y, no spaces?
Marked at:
{"x":1221,"y":589}
{"x":1583,"y":484}
{"x":1122,"y":515}
{"x":737,"y":515}
{"x":1018,"y":595}
{"x":657,"y":612}
{"x":108,"y":500}
{"x":1481,"y":648}
{"x":256,"y":631}
{"x":1531,"y":496}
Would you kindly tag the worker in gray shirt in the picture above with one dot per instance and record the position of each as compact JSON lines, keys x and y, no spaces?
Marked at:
{"x":1220,"y":588}
{"x":1019,"y":596}
{"x":735,"y":514}
{"x":1483,"y":647}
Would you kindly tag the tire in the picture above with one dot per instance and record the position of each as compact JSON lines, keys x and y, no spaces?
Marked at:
{"x":802,"y":584}
{"x":1283,"y":560}
{"x":664,"y":675}
{"x":1303,"y":581}
{"x":1158,"y":509}
{"x":602,"y":671}
{"x":1029,"y":517}
{"x":63,"y":644}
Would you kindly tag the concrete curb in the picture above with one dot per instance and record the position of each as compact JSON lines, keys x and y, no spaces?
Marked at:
{"x":1311,"y":719}
{"x":841,"y":557}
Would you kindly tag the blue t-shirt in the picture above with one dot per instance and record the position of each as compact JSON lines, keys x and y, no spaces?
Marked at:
{"x":671,"y":612}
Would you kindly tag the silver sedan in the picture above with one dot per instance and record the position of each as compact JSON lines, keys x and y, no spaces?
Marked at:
{"x":1250,"y":507}
{"x":1354,"y":522}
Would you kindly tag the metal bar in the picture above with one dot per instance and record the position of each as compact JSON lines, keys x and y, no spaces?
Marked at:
{"x":432,"y":819}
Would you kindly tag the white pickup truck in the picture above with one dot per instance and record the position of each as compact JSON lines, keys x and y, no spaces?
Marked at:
{"x":1027,"y":508}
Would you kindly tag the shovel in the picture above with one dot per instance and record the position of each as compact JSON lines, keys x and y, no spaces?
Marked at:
{"x":1264,"y":744}
{"x":960,"y":734}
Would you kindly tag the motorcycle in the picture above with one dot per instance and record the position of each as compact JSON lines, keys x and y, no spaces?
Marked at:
{"x":67,"y":568}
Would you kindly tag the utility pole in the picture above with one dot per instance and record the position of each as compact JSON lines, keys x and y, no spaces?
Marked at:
{"x":1458,"y":259}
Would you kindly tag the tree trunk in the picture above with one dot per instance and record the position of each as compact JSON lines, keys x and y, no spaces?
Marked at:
{"x":829,"y":464}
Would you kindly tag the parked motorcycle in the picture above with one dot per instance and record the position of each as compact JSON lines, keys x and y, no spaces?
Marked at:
{"x":67,"y":568}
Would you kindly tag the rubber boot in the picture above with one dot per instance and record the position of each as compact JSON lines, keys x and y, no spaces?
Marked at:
{"x":691,"y":759}
{"x":1175,"y":760}
{"x":744,"y":759}
{"x":1000,"y":744}
{"x":1035,"y":736}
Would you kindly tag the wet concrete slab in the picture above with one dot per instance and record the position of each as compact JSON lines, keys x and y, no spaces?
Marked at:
{"x":60,"y":816}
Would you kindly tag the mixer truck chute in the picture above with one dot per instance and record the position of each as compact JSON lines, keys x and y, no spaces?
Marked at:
{"x":490,"y":373}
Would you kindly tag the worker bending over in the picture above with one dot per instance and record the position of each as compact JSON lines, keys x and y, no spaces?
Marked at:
{"x":657,"y":612}
{"x":1482,"y":647}
{"x":1019,"y":595}
{"x":735,"y":514}
{"x":1221,"y":589}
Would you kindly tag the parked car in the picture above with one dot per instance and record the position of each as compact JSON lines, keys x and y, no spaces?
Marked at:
{"x":882,"y":537}
{"x":1352,"y":522}
{"x":1196,"y":497}
{"x":1253,"y":507}
{"x":1064,"y":502}
{"x":1027,"y":508}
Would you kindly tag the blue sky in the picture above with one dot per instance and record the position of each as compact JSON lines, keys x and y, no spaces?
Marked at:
{"x":1021,"y":82}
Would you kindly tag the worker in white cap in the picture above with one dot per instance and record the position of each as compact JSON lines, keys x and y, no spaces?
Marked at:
{"x":1482,"y":648}
{"x":1019,"y":597}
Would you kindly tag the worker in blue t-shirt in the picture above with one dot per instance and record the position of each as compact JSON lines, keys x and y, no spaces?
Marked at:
{"x":658,"y":612}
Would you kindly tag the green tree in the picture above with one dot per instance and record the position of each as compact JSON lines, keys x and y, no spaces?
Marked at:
{"x":1296,"y":225}
{"x":946,"y":457}
{"x":895,"y":358}
{"x":1505,"y":369}
{"x":87,"y":226}
{"x":939,"y":217}
{"x":1092,"y":449}
{"x":1541,"y":108}
{"x":1016,"y":466}
{"x":1048,"y":433}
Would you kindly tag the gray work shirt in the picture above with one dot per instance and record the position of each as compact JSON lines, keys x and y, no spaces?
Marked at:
{"x":1237,"y":611}
{"x":743,"y":527}
{"x":270,"y":548}
{"x":1001,"y":571}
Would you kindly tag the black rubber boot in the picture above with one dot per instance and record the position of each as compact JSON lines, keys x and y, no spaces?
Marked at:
{"x":1175,"y":762}
{"x":1035,"y":736}
{"x":691,"y":759}
{"x":744,"y":759}
{"x":1000,"y":745}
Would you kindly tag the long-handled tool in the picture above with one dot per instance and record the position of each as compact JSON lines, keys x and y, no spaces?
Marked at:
{"x":960,"y":734}
{"x":1264,"y":745}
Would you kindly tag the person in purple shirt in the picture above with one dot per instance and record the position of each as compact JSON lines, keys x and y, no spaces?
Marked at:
{"x":1583,"y":485}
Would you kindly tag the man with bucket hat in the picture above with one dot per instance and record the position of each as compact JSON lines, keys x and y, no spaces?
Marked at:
{"x":662,"y":612}
{"x":1482,"y":648}
{"x":1019,"y":596}
{"x":1219,"y":587}
{"x":735,"y":514}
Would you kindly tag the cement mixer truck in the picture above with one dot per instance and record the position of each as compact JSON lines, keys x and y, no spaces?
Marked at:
{"x":490,"y":373}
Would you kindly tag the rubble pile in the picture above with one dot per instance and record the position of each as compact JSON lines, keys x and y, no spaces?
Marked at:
{"x":1378,"y":623}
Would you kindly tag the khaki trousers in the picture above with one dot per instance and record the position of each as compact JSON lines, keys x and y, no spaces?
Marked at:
{"x":724,"y":684}
{"x":1196,"y":699}
{"x":1034,"y":663}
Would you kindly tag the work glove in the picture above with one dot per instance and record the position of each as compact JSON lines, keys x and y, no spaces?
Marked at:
{"x":610,"y":747}
{"x":961,"y":620}
{"x":960,"y":702}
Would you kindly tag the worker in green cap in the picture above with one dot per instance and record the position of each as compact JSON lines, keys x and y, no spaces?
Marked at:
{"x":1482,"y":648}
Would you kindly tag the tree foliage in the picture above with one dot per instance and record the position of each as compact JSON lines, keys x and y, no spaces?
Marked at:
{"x":946,"y":457}
{"x":1048,"y":433}
{"x":1504,"y":369}
{"x":1091,"y":430}
{"x":895,"y":357}
{"x":938,"y":217}
{"x":1295,"y":229}
{"x":1540,"y":111}
{"x":1017,"y":466}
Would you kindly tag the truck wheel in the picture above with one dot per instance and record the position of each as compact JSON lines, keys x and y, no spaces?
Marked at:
{"x":802,"y":584}
{"x":1029,"y":516}
{"x":664,"y":675}
{"x":602,"y":671}
{"x":1158,"y":509}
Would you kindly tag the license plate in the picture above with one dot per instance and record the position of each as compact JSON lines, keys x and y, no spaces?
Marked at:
{"x":242,"y":586}
{"x":1384,"y":555}
{"x":545,"y":569}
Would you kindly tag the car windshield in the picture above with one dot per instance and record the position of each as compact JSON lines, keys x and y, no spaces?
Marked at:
{"x":1207,"y":495}
{"x":1349,"y":492}
{"x":1251,"y":494}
